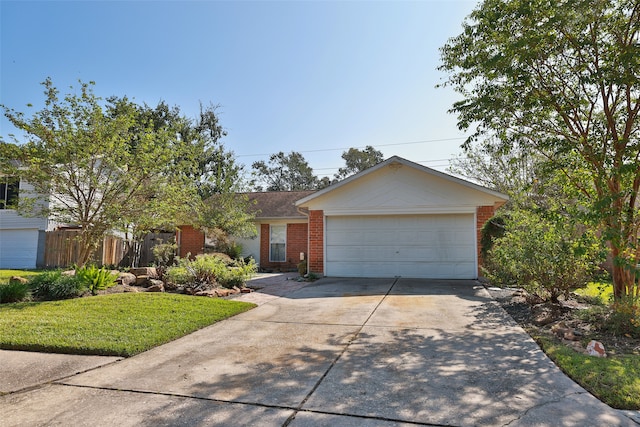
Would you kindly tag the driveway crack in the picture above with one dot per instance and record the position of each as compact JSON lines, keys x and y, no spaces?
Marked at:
{"x":543,"y":404}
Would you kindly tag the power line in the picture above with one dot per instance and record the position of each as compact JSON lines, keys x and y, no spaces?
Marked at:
{"x":426,"y":141}
{"x":418,"y":161}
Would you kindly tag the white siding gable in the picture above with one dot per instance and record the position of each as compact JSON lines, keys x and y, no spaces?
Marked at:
{"x":399,"y":188}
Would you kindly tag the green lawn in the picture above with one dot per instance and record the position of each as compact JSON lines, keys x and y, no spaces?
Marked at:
{"x":5,"y":275}
{"x":614,"y":380}
{"x":602,"y":291}
{"x":117,"y":325}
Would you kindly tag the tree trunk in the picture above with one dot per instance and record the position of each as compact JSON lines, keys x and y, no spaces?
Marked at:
{"x":624,"y":277}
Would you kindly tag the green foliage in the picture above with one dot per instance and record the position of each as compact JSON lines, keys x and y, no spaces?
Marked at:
{"x":599,"y":293}
{"x":178,"y":275}
{"x":491,"y":230}
{"x":625,"y":317}
{"x":95,"y":279}
{"x":205,"y":271}
{"x":53,"y":285}
{"x":165,"y":253}
{"x":561,"y":79}
{"x":238,"y":274}
{"x":114,"y":164}
{"x":118,"y":324}
{"x":548,"y":258}
{"x":14,"y":291}
{"x":358,"y":160}
{"x":285,"y":172}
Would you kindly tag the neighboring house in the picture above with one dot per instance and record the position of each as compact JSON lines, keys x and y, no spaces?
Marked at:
{"x":397,"y":218}
{"x":22,"y":238}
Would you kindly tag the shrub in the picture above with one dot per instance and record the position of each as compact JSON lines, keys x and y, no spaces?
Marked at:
{"x":625,"y":317}
{"x":548,"y":258}
{"x":206,"y":270}
{"x":237,"y":275}
{"x":620,"y":318}
{"x":95,"y":279}
{"x":53,"y":285}
{"x":177,"y":275}
{"x":13,"y":291}
{"x":165,"y":255}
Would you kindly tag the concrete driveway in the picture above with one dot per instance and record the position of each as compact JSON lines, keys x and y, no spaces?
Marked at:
{"x":337,"y":352}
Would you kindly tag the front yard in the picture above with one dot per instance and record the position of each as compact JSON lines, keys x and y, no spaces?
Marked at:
{"x":118,"y":324}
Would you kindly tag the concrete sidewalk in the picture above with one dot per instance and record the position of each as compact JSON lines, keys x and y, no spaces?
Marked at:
{"x":349,"y":352}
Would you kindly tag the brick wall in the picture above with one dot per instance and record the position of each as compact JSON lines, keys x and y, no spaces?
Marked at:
{"x":296,"y":243}
{"x":190,"y":240}
{"x":483,"y":214}
{"x":316,"y":242}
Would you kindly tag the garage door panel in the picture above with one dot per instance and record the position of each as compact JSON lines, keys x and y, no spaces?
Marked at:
{"x":430,"y":246}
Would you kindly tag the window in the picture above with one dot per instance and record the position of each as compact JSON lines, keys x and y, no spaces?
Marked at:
{"x":9,"y":186}
{"x":278,"y":243}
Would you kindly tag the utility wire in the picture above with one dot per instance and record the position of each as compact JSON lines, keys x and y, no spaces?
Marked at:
{"x":426,"y":141}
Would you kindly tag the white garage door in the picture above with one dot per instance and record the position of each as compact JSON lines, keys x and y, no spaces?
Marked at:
{"x":423,"y":246}
{"x":18,"y":248}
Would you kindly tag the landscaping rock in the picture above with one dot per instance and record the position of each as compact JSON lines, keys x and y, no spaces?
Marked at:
{"x":18,"y":279}
{"x":130,"y":289}
{"x":223,"y":292}
{"x":595,"y":348}
{"x":69,"y":273}
{"x":156,"y":287}
{"x":208,"y":293}
{"x":150,"y":272}
{"x":156,"y":282}
{"x":126,"y":278}
{"x":142,"y":280}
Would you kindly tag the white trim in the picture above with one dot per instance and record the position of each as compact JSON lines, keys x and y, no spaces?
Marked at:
{"x":406,"y":211}
{"x":324,"y":244}
{"x":475,"y":238}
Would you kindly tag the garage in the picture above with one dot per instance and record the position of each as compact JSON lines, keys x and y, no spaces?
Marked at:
{"x":420,"y":246}
{"x":398,"y":219}
{"x":18,"y":248}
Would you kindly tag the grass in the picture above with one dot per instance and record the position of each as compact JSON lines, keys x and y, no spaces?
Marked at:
{"x":113,"y":325}
{"x":614,"y":380}
{"x":600,"y":291}
{"x":5,"y":275}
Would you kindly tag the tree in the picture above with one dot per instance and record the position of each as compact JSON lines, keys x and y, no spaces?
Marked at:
{"x":561,"y":78}
{"x":358,"y":160}
{"x":118,"y":165}
{"x":95,"y":163}
{"x":285,"y":172}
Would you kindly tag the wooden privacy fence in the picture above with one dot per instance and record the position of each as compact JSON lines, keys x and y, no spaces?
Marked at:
{"x":62,"y":249}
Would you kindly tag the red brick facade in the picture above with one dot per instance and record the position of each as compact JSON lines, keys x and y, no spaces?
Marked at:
{"x":302,"y":237}
{"x":296,"y":243}
{"x":316,"y":242}
{"x":483,"y":214}
{"x":190,"y":241}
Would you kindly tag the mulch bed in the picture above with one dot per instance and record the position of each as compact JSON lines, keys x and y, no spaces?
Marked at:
{"x":562,"y":316}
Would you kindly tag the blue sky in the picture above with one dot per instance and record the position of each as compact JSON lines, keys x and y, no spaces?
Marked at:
{"x":316,"y":77}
